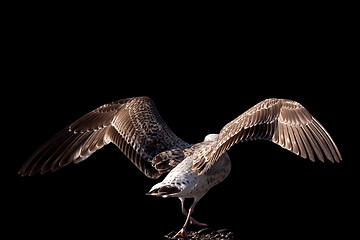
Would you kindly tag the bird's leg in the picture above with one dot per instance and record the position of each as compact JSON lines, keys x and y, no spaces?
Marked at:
{"x":182,"y":200}
{"x":182,"y":231}
{"x":192,"y":220}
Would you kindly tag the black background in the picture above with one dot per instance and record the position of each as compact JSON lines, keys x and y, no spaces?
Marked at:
{"x":202,"y":71}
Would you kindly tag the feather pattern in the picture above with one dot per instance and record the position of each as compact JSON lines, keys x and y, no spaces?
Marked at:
{"x":136,"y":128}
{"x":284,"y":122}
{"x":133,"y":125}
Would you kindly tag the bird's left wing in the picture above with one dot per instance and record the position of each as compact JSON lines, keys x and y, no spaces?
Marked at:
{"x":133,"y":125}
{"x":284,"y":122}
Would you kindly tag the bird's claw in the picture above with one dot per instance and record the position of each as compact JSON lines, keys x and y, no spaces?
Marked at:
{"x":193,"y":221}
{"x":182,"y":233}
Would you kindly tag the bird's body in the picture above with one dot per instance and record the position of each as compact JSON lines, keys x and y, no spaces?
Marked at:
{"x":136,"y":128}
{"x":184,"y":181}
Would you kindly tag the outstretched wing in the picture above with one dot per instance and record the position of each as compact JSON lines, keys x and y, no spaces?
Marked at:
{"x":284,"y":122}
{"x":133,"y":125}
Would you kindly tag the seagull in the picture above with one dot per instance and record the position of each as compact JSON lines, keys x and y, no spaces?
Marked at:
{"x":136,"y":128}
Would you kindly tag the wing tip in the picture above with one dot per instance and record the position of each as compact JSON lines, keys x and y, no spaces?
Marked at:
{"x":25,"y":173}
{"x":21,"y":173}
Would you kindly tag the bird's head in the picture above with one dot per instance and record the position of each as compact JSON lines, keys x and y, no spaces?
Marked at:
{"x":211,"y":137}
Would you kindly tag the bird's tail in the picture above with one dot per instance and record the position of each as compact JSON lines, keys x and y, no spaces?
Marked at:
{"x":163,"y":191}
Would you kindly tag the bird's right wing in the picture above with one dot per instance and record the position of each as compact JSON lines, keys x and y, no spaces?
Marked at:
{"x":284,"y":122}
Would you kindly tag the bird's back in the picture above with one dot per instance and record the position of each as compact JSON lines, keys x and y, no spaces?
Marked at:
{"x":185,"y":181}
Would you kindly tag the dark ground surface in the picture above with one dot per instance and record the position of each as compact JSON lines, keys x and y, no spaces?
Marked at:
{"x":204,"y":234}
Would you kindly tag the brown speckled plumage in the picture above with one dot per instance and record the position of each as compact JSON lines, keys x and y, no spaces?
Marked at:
{"x":136,"y":128}
{"x":132,"y":124}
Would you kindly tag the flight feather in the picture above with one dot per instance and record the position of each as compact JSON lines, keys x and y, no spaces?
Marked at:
{"x":284,"y":122}
{"x":133,"y":125}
